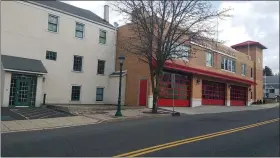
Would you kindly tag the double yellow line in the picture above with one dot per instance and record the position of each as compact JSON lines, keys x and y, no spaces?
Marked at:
{"x":193,"y":139}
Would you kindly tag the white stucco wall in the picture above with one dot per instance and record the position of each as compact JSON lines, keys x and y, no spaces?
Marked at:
{"x":113,"y":90}
{"x":24,"y":34}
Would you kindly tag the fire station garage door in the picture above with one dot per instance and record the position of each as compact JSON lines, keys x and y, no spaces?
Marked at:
{"x":213,"y":93}
{"x":238,"y":95}
{"x":181,"y":90}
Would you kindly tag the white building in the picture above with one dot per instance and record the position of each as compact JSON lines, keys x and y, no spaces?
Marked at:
{"x":271,"y":86}
{"x":53,"y":48}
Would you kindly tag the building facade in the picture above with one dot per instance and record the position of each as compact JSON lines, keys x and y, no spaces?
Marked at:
{"x":216,"y":75}
{"x":57,"y":53}
{"x":271,"y":86}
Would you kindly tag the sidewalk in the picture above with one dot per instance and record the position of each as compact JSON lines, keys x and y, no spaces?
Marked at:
{"x":86,"y":119}
{"x":208,"y":109}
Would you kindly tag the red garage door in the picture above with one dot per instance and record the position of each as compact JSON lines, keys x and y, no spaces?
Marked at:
{"x":238,"y":95}
{"x":213,"y":93}
{"x":181,"y":90}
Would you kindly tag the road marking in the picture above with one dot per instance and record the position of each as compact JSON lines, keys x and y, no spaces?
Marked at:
{"x":193,"y":139}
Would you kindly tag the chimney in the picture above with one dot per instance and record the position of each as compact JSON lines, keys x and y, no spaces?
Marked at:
{"x":106,"y":13}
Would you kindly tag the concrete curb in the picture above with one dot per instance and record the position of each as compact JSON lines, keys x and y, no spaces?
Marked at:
{"x":98,"y":122}
{"x":132,"y":118}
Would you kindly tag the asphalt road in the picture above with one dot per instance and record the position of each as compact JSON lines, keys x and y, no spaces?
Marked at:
{"x":111,"y":139}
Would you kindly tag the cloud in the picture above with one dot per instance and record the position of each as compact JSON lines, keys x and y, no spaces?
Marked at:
{"x":97,"y":7}
{"x":252,"y":20}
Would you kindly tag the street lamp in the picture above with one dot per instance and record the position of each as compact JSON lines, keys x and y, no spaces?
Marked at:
{"x":121,"y":60}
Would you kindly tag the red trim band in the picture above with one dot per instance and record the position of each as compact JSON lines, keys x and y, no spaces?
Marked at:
{"x":183,"y":68}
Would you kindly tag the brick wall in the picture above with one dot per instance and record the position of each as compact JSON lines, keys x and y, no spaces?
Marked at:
{"x":138,"y":69}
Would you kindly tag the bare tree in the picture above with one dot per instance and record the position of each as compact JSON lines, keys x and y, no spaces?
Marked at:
{"x":164,"y":29}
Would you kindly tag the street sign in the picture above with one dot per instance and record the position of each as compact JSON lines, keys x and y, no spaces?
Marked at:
{"x":172,"y":80}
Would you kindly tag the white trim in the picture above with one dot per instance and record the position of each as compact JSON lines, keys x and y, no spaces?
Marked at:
{"x":227,"y":71}
{"x":75,"y":101}
{"x":57,"y":25}
{"x":76,"y":16}
{"x":12,"y":70}
{"x":79,"y":23}
{"x":103,"y":94}
{"x":106,"y":33}
{"x":213,"y":50}
{"x":82,"y":68}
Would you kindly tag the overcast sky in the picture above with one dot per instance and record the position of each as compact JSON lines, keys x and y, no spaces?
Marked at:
{"x":252,"y":20}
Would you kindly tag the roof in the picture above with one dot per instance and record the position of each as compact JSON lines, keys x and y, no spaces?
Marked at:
{"x":271,"y":79}
{"x":74,"y":10}
{"x":246,"y":43}
{"x":22,"y":64}
{"x":275,"y":86}
{"x":117,"y":73}
{"x":216,"y":46}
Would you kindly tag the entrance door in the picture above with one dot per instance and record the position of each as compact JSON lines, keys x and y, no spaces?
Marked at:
{"x":22,"y":95}
{"x":143,"y":93}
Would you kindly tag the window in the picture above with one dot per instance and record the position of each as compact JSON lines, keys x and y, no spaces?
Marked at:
{"x":79,"y":32}
{"x":181,"y":51}
{"x":78,"y":62}
{"x":75,"y":95}
{"x":243,"y":69}
{"x":233,"y":69}
{"x":251,"y":72}
{"x":51,"y":55}
{"x":271,"y":91}
{"x":102,"y":36}
{"x":209,"y":59}
{"x":53,"y":23}
{"x":100,"y":67}
{"x":228,"y":64}
{"x":99,"y":94}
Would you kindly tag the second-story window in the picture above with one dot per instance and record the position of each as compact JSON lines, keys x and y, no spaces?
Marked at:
{"x":78,"y":63}
{"x":53,"y":23}
{"x":180,"y":51}
{"x":100,"y":67}
{"x":243,"y":69}
{"x":209,"y":59}
{"x":51,"y":55}
{"x":228,"y":64}
{"x":79,"y":31}
{"x":102,"y":36}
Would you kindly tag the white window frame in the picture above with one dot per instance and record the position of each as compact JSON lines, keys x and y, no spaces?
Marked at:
{"x":57,"y":25}
{"x":102,"y":95}
{"x":100,"y":30}
{"x":228,"y":64}
{"x":78,"y":23}
{"x":78,"y":85}
{"x":82,"y":68}
{"x":243,"y":69}
{"x":209,"y":54}
{"x":185,"y":50}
